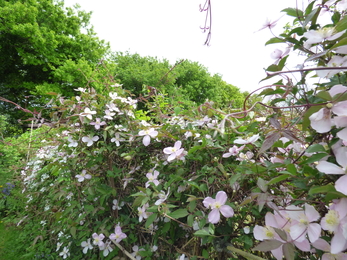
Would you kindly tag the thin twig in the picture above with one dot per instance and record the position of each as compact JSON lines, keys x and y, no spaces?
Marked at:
{"x":123,"y":250}
{"x":207,"y":8}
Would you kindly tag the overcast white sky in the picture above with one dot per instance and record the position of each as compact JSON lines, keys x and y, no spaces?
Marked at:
{"x":171,"y":30}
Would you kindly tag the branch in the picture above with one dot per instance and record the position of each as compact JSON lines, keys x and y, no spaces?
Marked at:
{"x":246,"y":255}
{"x":301,"y":70}
{"x":123,"y":250}
{"x":208,"y":19}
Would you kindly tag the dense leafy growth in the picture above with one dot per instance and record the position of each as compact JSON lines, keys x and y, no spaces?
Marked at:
{"x":114,"y":178}
{"x":183,"y":82}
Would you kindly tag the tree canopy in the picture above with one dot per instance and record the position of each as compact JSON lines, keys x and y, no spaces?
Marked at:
{"x":44,"y":47}
{"x":184,"y":81}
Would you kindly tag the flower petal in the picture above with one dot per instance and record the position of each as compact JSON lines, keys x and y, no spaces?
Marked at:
{"x":214,"y":216}
{"x":341,"y":184}
{"x":311,"y":213}
{"x":146,"y":140}
{"x":338,"y":243}
{"x":226,"y":211}
{"x":342,"y":134}
{"x":221,"y":197}
{"x":329,"y":168}
{"x":314,"y":231}
{"x":298,"y":232}
{"x":208,"y":202}
{"x":340,"y":108}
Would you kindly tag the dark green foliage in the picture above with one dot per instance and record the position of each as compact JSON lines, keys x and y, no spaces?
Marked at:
{"x":185,"y":82}
{"x":44,"y":48}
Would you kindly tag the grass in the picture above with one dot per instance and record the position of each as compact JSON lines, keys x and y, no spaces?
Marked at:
{"x":8,"y":247}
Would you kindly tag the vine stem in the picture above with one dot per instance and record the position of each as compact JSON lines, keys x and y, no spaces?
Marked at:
{"x":246,"y":255}
{"x":123,"y":250}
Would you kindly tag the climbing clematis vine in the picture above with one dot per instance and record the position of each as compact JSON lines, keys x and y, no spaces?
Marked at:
{"x":218,"y":207}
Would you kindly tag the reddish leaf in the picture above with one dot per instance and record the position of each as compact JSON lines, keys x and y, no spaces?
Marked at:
{"x":269,"y":141}
{"x":275,"y":123}
{"x":289,"y":251}
{"x":268,"y":245}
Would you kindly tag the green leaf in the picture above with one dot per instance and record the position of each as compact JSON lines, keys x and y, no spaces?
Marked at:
{"x":309,"y":17}
{"x":73,"y":232}
{"x":314,"y":158}
{"x":150,"y":219}
{"x":309,"y":8}
{"x":342,"y":42}
{"x":275,"y":40}
{"x":165,"y":228}
{"x":293,"y":12}
{"x":192,"y":206}
{"x":180,"y":213}
{"x":324,"y":95}
{"x":315,"y":148}
{"x":321,"y":189}
{"x":211,"y":228}
{"x":190,"y":220}
{"x":205,"y":254}
{"x":341,"y":25}
{"x":177,"y":110}
{"x":292,"y":169}
{"x":279,"y":179}
{"x":282,"y":62}
{"x":336,"y":17}
{"x":202,"y":233}
{"x":273,"y":68}
{"x":234,"y":178}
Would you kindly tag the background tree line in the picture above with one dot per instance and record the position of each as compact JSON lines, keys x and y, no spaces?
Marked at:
{"x":46,"y":48}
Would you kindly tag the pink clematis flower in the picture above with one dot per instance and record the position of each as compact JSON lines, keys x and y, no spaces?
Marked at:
{"x":278,"y":54}
{"x":303,"y":224}
{"x":83,"y":176}
{"x":323,"y":34}
{"x":98,"y":239}
{"x":108,"y":114}
{"x":86,"y":245}
{"x":162,"y":197}
{"x":152,"y":177}
{"x":90,"y":140}
{"x":323,"y":245}
{"x":218,"y":207}
{"x":88,"y":113}
{"x":117,"y":139}
{"x":142,"y":212}
{"x":98,"y":123}
{"x":147,"y":135}
{"x":175,"y":152}
{"x":118,"y":235}
{"x":233,"y":151}
{"x":72,"y":143}
{"x":269,"y":24}
{"x":321,"y":121}
{"x":336,"y":221}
